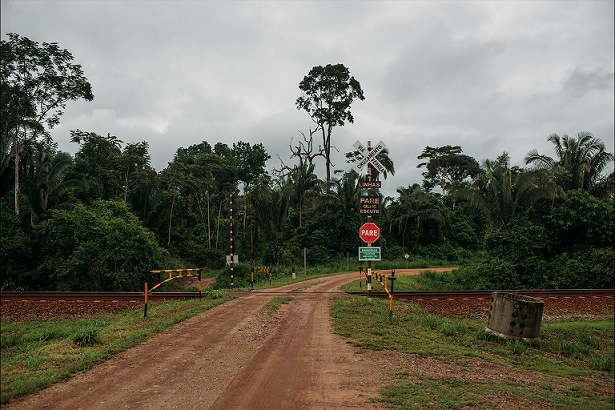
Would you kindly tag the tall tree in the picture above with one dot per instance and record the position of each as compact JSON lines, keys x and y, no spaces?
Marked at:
{"x":446,"y":166}
{"x":579,"y":163}
{"x":38,"y":81}
{"x":328,"y":93}
{"x":98,"y":159}
{"x":134,"y":164}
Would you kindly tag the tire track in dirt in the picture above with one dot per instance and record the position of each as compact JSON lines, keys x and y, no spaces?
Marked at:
{"x":303,"y":367}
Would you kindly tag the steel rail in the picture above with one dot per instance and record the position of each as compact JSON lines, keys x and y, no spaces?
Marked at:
{"x":486,"y":294}
{"x":425,"y":295}
{"x":75,"y":296}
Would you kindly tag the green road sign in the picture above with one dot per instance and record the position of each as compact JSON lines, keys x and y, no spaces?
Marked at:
{"x":369,"y":253}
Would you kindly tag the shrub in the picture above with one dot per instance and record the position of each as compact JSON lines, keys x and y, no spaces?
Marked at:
{"x":87,"y":336}
{"x":241,"y":276}
{"x":102,"y":248}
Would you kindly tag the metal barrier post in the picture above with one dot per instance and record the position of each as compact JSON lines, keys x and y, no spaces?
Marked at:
{"x":360,"y":276}
{"x":145,"y":305}
{"x":392,"y":280}
{"x":369,"y":282}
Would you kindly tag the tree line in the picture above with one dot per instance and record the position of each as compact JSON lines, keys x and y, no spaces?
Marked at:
{"x":98,"y":219}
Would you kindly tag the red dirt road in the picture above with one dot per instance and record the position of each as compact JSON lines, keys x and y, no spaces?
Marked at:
{"x":230,"y":357}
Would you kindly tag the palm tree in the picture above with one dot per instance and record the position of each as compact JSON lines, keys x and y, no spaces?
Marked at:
{"x":414,"y":203}
{"x":579,"y":162}
{"x":48,"y":184}
{"x":501,"y":192}
{"x":305,"y":184}
{"x":271,"y":206}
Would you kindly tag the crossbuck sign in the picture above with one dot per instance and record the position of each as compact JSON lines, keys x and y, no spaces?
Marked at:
{"x":369,"y":157}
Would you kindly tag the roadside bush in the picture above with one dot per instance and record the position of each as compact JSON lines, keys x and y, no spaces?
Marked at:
{"x":580,"y":218}
{"x":241,"y":276}
{"x":517,"y":241}
{"x":495,"y":274}
{"x":318,"y":255}
{"x":18,"y":268}
{"x":199,"y":256}
{"x":587,"y":268}
{"x":98,"y":248}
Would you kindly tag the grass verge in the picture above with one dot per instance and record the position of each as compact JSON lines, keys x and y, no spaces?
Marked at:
{"x":38,"y":353}
{"x":274,"y":304}
{"x":572,"y":369}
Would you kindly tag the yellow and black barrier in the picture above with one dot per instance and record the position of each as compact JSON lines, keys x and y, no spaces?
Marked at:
{"x":383,"y":280}
{"x":179,"y":272}
{"x":266,"y":270}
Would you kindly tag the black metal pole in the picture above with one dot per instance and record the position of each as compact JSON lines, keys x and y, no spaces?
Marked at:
{"x":392,"y":280}
{"x":369,"y":219}
{"x":200,"y":292}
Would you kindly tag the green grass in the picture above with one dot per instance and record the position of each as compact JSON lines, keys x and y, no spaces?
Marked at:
{"x":37,"y":353}
{"x":576,"y":352}
{"x":274,"y":304}
{"x":401,"y":284}
{"x":450,"y":393}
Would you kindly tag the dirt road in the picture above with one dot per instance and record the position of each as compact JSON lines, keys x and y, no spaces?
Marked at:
{"x":232,"y":357}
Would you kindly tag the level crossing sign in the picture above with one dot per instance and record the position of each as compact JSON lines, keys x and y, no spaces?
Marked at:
{"x":369,"y":157}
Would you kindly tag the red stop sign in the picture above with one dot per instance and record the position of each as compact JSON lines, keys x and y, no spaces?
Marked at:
{"x":369,"y":232}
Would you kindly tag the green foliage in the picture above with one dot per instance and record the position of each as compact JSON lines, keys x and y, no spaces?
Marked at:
{"x":580,"y":161}
{"x":516,"y":241}
{"x":102,"y":248}
{"x":587,"y":268}
{"x":194,"y":250}
{"x":10,"y":224}
{"x":37,"y":81}
{"x":446,"y":167}
{"x":580,"y":218}
{"x":503,"y":193}
{"x":241,"y":276}
{"x":19,"y":263}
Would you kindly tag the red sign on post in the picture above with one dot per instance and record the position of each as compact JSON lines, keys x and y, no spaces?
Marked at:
{"x":369,"y":232}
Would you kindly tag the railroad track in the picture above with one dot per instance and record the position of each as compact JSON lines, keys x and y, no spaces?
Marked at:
{"x":486,"y":294}
{"x":418,"y":295}
{"x":137,"y":296}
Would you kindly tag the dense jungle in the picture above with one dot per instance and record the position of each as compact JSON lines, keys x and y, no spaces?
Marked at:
{"x":98,"y":219}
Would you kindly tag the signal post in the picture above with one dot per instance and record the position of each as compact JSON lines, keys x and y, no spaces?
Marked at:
{"x":369,"y":205}
{"x":231,"y":230}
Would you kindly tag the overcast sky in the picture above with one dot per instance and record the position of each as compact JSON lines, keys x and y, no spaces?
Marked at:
{"x":488,"y":76}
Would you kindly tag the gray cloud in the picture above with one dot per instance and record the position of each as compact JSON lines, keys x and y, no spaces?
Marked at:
{"x":489,"y":76}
